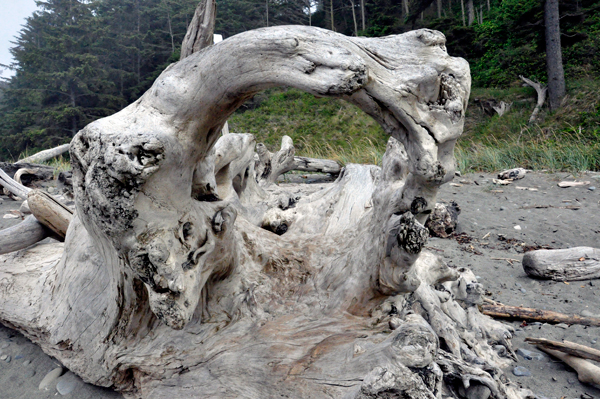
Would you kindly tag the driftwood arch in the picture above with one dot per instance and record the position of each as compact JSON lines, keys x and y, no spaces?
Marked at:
{"x":166,"y":284}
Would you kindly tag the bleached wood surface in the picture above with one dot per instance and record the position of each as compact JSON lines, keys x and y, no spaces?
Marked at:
{"x":570,"y":264}
{"x":164,"y":287}
{"x":45,"y":155}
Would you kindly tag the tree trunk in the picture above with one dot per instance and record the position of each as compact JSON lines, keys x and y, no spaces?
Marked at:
{"x":158,"y":294}
{"x":362,"y":15}
{"x":405,"y":8}
{"x":353,"y":6}
{"x":554,"y":65}
{"x":331,"y":14}
{"x":471,"y":11}
{"x":439,"y":8}
{"x":462,"y":9}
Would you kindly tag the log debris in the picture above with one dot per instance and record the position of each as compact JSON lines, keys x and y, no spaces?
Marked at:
{"x":22,"y":235}
{"x":586,"y":372}
{"x":50,"y":212}
{"x":13,"y":186}
{"x":571,"y":264}
{"x":544,"y":316}
{"x":570,"y":348}
{"x":45,"y":155}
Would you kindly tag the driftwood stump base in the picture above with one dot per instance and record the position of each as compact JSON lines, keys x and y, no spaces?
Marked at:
{"x":168,"y":286}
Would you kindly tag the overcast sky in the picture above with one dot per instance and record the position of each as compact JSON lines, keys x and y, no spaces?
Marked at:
{"x":12,"y":17}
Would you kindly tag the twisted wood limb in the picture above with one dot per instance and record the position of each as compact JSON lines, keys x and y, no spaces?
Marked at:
{"x":541,"y":93}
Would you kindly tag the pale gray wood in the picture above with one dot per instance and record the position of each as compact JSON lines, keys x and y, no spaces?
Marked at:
{"x":22,"y":235}
{"x":570,"y":264}
{"x":305,"y":164}
{"x":50,"y":212}
{"x":45,"y":155}
{"x":13,"y":186}
{"x":159,"y":290}
{"x":541,"y":91}
{"x":200,"y":31}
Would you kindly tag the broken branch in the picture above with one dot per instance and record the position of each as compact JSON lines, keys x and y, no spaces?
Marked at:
{"x":570,"y":348}
{"x":529,"y":314}
{"x":541,"y":92}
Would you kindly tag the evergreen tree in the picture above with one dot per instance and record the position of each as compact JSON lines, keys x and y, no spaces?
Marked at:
{"x":59,"y":85}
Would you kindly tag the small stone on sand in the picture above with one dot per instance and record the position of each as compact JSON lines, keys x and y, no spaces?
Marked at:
{"x":50,"y":378}
{"x":67,"y":383}
{"x":521,"y":371}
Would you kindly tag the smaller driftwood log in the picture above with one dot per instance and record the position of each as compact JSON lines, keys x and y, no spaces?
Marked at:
{"x":22,"y":235}
{"x":571,"y":264}
{"x":50,"y":212}
{"x":45,"y":155}
{"x":546,"y":316}
{"x":587,"y":372}
{"x":570,"y":348}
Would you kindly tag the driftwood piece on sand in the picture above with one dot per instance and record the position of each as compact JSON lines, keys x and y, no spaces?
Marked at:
{"x":45,"y":155}
{"x":159,"y":290}
{"x":512,"y":174}
{"x":545,"y":316}
{"x":13,"y":186}
{"x":443,"y":220}
{"x":587,"y":372}
{"x":570,"y":264}
{"x":541,"y":91}
{"x":22,"y":235}
{"x":570,"y":348}
{"x":50,"y":212}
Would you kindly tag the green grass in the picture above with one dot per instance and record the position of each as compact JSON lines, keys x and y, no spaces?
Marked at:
{"x":565,"y":140}
{"x":320,"y":127}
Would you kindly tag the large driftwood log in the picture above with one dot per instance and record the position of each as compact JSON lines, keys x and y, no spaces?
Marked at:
{"x":45,"y":155}
{"x":161,"y":291}
{"x":22,"y":235}
{"x":571,"y":264}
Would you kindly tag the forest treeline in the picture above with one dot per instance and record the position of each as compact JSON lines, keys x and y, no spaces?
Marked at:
{"x":80,"y":60}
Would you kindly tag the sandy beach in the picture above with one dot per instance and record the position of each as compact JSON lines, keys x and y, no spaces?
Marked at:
{"x":497,"y":225}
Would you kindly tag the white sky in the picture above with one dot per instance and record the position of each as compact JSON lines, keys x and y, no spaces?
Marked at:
{"x":12,"y":17}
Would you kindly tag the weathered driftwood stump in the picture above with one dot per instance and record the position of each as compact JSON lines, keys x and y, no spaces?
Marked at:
{"x":166,"y":286}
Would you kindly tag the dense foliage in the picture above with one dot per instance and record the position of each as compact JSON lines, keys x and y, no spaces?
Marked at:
{"x":79,"y":60}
